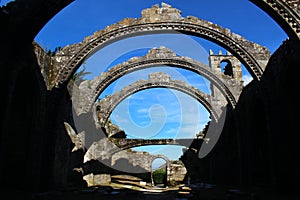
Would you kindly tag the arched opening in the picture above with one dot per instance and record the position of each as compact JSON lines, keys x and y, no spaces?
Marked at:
{"x":149,"y":114}
{"x":226,"y":67}
{"x":47,"y":116}
{"x":159,"y":172}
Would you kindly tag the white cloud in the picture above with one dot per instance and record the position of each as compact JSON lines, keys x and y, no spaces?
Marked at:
{"x":143,"y":110}
{"x":171,"y":130}
{"x":144,"y":123}
{"x":116,"y":118}
{"x":189,"y":130}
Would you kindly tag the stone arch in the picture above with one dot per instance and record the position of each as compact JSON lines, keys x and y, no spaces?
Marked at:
{"x":45,"y":97}
{"x":285,"y":12}
{"x":155,"y":57}
{"x":160,"y":156}
{"x":123,"y":143}
{"x":109,"y":103}
{"x":168,"y":163}
{"x":252,"y":55}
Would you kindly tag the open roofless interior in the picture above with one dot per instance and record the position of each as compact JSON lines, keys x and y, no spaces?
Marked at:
{"x":157,"y":104}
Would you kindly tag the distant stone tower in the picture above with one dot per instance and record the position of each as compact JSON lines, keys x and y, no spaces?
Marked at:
{"x":231,"y":74}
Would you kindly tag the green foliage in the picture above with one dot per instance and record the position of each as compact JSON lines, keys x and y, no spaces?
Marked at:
{"x":159,"y":176}
{"x":89,"y":84}
{"x":52,"y":53}
{"x":173,"y":183}
{"x":78,"y":77}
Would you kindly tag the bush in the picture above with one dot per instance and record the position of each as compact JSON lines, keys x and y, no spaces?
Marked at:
{"x":159,"y":176}
{"x":173,"y":183}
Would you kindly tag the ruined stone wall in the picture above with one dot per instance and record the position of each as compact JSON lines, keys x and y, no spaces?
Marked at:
{"x":29,"y":113}
{"x":176,"y":172}
{"x":30,"y":145}
{"x":141,"y":161}
{"x":280,"y":98}
{"x":272,"y":119}
{"x":258,"y":145}
{"x":264,"y":123}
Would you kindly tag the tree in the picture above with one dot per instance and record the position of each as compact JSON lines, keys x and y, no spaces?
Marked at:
{"x":78,"y":77}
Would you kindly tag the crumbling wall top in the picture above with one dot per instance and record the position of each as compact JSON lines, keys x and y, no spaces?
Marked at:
{"x":163,"y":13}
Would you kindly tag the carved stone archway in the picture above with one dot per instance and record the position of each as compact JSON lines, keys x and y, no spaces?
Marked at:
{"x":69,"y":59}
{"x":285,"y":12}
{"x":29,"y":18}
{"x":90,"y":90}
{"x":109,"y":103}
{"x":123,"y":143}
{"x":154,"y":157}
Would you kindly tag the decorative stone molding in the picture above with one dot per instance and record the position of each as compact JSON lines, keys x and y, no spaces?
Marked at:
{"x":123,"y":144}
{"x":159,"y":79}
{"x":165,"y":19}
{"x":285,"y":12}
{"x":155,"y":57}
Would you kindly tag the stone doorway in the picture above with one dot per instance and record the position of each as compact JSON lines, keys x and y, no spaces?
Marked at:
{"x":159,"y":170}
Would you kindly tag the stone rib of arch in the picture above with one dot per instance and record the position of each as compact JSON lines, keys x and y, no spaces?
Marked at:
{"x":252,"y":55}
{"x":162,"y":157}
{"x":124,"y":144}
{"x":155,"y":57}
{"x":159,"y":79}
{"x":285,"y":12}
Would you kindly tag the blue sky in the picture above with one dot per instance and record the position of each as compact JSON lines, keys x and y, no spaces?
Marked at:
{"x":158,"y":113}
